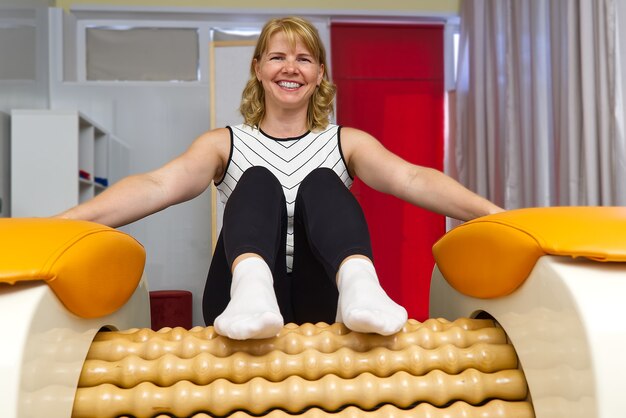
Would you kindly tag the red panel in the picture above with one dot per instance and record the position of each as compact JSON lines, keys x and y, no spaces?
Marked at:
{"x":406,"y":115}
{"x":387,"y":51}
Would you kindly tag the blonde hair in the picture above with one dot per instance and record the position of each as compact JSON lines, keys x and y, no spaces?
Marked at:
{"x":320,"y":108}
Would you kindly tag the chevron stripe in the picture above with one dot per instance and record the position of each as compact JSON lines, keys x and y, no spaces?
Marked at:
{"x":289,"y":159}
{"x":311,"y":156}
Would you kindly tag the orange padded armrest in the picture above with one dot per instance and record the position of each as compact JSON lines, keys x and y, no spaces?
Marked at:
{"x":93,"y":269}
{"x":493,"y":255}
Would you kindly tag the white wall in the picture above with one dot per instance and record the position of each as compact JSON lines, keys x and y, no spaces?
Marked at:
{"x":21,"y":19}
{"x":27,"y":91}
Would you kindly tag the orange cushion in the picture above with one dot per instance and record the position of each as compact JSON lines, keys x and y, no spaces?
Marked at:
{"x":93,"y":269}
{"x":492,"y":256}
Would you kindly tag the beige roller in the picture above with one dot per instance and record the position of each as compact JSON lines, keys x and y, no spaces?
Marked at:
{"x":150,"y":345}
{"x":493,"y":409}
{"x":296,"y":394}
{"x":438,"y":368}
{"x":310,"y":364}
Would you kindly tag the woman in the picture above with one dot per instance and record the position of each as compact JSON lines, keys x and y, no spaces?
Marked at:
{"x":294,"y":246}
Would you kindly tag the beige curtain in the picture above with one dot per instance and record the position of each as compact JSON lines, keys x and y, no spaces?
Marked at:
{"x":539,"y":113}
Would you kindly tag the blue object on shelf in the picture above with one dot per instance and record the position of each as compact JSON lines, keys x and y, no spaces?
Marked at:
{"x":101,"y":181}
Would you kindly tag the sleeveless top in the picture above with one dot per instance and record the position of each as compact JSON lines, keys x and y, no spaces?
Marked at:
{"x":289,"y":159}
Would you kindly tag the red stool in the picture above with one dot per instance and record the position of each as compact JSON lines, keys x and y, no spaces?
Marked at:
{"x":171,"y":308}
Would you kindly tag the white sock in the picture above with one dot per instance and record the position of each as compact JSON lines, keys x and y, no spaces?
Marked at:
{"x":253,"y":311}
{"x":363,"y":304}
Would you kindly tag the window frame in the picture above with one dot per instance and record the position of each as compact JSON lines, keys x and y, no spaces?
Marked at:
{"x":82,"y":25}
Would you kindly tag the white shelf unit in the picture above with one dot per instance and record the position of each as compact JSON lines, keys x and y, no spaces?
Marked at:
{"x":59,"y":159}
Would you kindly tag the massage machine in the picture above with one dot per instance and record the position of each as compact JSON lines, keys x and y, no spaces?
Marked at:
{"x":532,"y":328}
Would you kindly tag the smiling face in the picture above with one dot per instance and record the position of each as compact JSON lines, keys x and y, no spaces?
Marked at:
{"x":288,"y":72}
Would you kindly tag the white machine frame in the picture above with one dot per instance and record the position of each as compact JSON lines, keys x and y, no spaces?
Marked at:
{"x":567,"y":322}
{"x":44,"y":347}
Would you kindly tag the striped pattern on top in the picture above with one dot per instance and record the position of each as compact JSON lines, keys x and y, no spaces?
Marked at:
{"x":289,"y":159}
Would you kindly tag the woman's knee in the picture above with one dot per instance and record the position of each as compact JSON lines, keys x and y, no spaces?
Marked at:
{"x":259,"y":175}
{"x":258,"y":190}
{"x":258,"y":181}
{"x":321,"y":180}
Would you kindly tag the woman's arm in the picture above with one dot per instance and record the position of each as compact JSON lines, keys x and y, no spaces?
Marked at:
{"x":140,"y":195}
{"x":425,"y":187}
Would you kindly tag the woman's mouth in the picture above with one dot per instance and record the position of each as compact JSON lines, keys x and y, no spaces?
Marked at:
{"x":291,"y":85}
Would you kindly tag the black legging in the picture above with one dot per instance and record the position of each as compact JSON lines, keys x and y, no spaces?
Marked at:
{"x":329,"y":226}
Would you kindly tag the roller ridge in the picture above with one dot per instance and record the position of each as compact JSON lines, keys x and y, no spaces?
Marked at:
{"x":310,"y":365}
{"x":296,"y":394}
{"x":308,"y":329}
{"x":149,"y":345}
{"x":493,"y":409}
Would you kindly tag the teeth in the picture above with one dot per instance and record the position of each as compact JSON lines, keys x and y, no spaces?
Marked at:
{"x":289,"y":84}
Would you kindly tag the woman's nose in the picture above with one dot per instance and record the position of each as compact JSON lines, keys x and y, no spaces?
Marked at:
{"x":290,"y":66}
